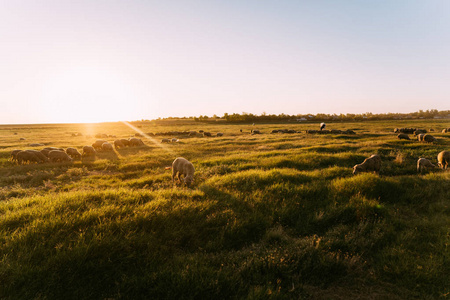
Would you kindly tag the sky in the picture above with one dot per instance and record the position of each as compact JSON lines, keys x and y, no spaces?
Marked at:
{"x":95,"y":61}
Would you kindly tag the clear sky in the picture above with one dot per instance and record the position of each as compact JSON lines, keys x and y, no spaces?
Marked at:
{"x":92,"y":61}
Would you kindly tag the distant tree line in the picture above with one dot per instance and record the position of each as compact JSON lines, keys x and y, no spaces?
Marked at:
{"x":268,"y":118}
{"x":252,"y":118}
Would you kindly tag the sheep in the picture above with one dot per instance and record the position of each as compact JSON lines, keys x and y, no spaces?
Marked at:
{"x":26,"y":157}
{"x":403,"y":136}
{"x":444,"y":130}
{"x":371,"y":164}
{"x":59,"y":156}
{"x":220,"y":134}
{"x":419,"y":131}
{"x":423,"y":163}
{"x":73,"y":153}
{"x":98,"y":144}
{"x":36,"y":145}
{"x":118,"y":144}
{"x":174,"y":140}
{"x":322,"y":126}
{"x":443,"y":159}
{"x":125,"y":142}
{"x":336,"y":131}
{"x":193,"y":133}
{"x":420,"y":137}
{"x":182,"y":166}
{"x":88,"y":151}
{"x":275,"y":131}
{"x":107,"y":147}
{"x":39,"y":156}
{"x":256,"y":132}
{"x":429,"y":138}
{"x":135,"y":142}
{"x":165,"y":141}
{"x":311,"y":131}
{"x":206,"y":133}
{"x":14,"y":155}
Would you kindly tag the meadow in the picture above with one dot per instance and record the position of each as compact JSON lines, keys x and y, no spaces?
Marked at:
{"x":269,"y":216}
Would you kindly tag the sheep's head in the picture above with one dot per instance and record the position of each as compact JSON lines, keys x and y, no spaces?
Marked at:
{"x":357,"y":169}
{"x":188,"y":180}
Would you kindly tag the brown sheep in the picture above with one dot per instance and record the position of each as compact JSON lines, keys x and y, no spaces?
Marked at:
{"x":59,"y":156}
{"x":182,"y":166}
{"x":165,"y":141}
{"x":98,"y":144}
{"x":220,"y":134}
{"x":443,"y":159}
{"x":14,"y":155}
{"x":26,"y":157}
{"x":429,"y":138}
{"x":403,"y":136}
{"x":371,"y":164}
{"x":206,"y":133}
{"x":423,"y":163}
{"x":118,"y":144}
{"x":135,"y":142}
{"x":73,"y":153}
{"x":125,"y":142}
{"x":88,"y":151}
{"x":41,"y":158}
{"x":107,"y":147}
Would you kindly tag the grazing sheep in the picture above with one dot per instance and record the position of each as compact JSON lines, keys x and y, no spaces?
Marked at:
{"x":444,"y":130}
{"x":220,"y":134}
{"x":73,"y":153}
{"x":174,"y":140}
{"x":420,"y":137}
{"x":26,"y":157}
{"x":423,"y":163}
{"x":403,"y":136}
{"x":41,"y":158}
{"x":256,"y":132}
{"x":88,"y":151}
{"x":118,"y":144}
{"x":371,"y":164}
{"x":443,"y":159}
{"x":36,"y":145}
{"x":107,"y":147}
{"x":14,"y":155}
{"x":98,"y":144}
{"x":135,"y":142}
{"x":125,"y":142}
{"x":322,"y":126}
{"x":205,"y":133}
{"x":419,"y":131}
{"x":165,"y":141}
{"x":182,"y":166}
{"x":428,"y":138}
{"x":193,"y":133}
{"x":311,"y":131}
{"x":59,"y":156}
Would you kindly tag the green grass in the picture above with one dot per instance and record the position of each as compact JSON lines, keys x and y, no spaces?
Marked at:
{"x":269,"y":216}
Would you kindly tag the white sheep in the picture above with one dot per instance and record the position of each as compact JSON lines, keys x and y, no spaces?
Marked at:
{"x":182,"y":166}
{"x":423,"y":163}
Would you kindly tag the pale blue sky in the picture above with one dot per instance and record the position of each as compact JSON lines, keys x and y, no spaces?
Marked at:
{"x":84,"y":61}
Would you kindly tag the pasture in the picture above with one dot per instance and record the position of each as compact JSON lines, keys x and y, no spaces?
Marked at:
{"x":268,"y":216}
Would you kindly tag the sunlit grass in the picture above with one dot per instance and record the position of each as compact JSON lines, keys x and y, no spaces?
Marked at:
{"x":270,"y":215}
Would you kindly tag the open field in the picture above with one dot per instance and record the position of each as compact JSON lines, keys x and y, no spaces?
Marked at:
{"x":276,"y":216}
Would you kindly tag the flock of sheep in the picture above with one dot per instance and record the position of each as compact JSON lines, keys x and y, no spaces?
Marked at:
{"x":182,"y":167}
{"x":53,"y":154}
